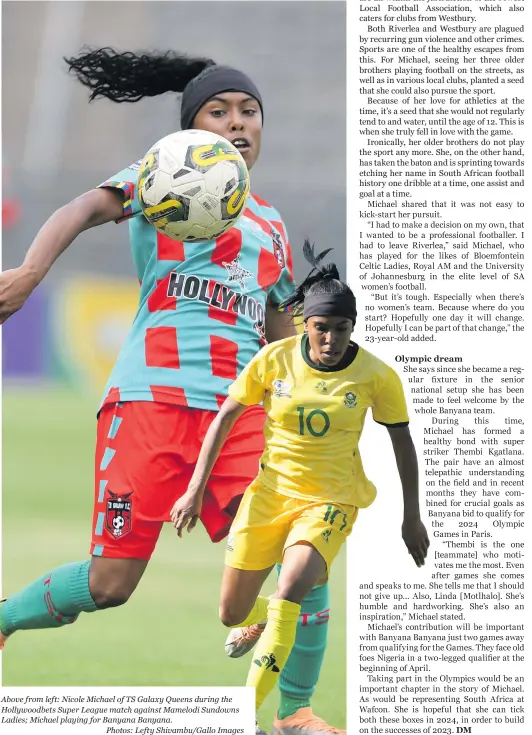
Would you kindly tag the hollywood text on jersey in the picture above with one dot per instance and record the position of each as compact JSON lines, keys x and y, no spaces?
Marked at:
{"x":218,"y":295}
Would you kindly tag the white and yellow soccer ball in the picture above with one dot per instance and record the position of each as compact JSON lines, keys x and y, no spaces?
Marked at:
{"x":193,"y":185}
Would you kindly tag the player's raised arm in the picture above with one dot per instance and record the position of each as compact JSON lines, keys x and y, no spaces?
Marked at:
{"x":93,"y":208}
{"x":414,"y":533}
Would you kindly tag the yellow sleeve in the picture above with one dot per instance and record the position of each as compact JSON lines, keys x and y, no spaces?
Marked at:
{"x":389,"y":404}
{"x":250,"y":386}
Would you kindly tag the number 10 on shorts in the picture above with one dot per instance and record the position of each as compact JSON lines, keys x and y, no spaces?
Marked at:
{"x":330,"y":516}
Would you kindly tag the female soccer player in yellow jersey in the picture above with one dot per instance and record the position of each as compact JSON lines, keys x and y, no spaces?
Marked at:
{"x":316,"y":389}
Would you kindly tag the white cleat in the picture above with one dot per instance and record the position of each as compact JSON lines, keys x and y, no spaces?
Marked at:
{"x":241,"y":640}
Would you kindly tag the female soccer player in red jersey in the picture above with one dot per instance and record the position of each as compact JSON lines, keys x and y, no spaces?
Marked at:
{"x":176,"y":364}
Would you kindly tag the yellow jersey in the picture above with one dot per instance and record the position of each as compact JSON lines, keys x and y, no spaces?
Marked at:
{"x":315,"y":417}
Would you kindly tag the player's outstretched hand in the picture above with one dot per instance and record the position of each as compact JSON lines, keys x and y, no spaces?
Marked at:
{"x":416,"y":539}
{"x":185,"y":512}
{"x":15,"y":287}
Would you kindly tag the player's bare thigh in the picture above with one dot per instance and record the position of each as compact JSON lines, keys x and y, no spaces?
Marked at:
{"x":302,"y":569}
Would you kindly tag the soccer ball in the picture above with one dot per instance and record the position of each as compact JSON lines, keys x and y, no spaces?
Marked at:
{"x":193,"y":185}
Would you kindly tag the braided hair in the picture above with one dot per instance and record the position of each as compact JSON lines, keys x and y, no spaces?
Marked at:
{"x":322,"y":279}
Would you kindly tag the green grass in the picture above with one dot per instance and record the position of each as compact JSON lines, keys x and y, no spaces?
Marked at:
{"x":168,"y":634}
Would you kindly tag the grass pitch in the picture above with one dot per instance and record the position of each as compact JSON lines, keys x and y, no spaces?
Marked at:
{"x":168,"y":634}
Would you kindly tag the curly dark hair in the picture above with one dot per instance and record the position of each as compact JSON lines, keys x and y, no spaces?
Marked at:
{"x":128,"y":76}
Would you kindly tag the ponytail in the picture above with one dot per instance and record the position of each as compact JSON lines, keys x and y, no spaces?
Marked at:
{"x":128,"y":77}
{"x":321,"y":279}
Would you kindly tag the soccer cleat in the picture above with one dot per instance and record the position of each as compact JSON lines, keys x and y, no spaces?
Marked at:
{"x":241,"y":640}
{"x":303,"y":722}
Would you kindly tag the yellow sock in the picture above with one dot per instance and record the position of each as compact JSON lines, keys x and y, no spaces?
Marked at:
{"x":273,"y":647}
{"x":258,"y":614}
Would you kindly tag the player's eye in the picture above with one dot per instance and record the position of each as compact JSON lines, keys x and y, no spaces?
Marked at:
{"x":217,"y":113}
{"x":250,"y":112}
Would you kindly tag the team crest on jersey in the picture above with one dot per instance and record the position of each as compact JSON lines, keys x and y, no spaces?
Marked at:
{"x":278,"y":248}
{"x":118,"y":514}
{"x":281,"y":389}
{"x":350,"y":400}
{"x":321,"y":387}
{"x":237,"y":274}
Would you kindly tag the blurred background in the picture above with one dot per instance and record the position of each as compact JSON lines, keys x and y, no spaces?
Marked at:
{"x":58,"y":350}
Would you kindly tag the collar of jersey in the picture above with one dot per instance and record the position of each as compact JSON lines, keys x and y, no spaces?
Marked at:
{"x":305,"y":347}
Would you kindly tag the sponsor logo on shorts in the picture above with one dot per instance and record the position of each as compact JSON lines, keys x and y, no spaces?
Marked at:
{"x":118,"y":514}
{"x":350,"y":400}
{"x":326,"y":534}
{"x":281,"y":389}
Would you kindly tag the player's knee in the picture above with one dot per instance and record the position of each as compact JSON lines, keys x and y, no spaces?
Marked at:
{"x":112,"y":594}
{"x":231,"y":615}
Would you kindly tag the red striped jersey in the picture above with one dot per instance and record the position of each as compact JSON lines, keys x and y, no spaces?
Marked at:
{"x":202,"y":306}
